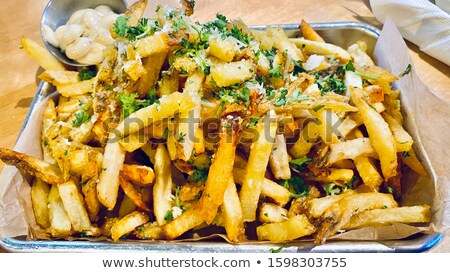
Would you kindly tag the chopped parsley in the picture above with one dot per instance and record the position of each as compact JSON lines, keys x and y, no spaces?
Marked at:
{"x":406,"y":71}
{"x":168,"y":216}
{"x":390,"y":190}
{"x":281,"y":100}
{"x":299,"y":162}
{"x":270,"y":54}
{"x":275,"y":72}
{"x":253,"y":121}
{"x":130,"y":103}
{"x":200,"y":174}
{"x":198,"y":195}
{"x":227,"y":29}
{"x":405,"y":154}
{"x":273,"y":250}
{"x":86,"y":74}
{"x":233,"y":95}
{"x":330,"y":83}
{"x":296,"y":96}
{"x":144,"y":28}
{"x":181,"y":137}
{"x":332,"y":189}
{"x":81,"y":117}
{"x":318,"y":107}
{"x":166,"y":133}
{"x":298,"y":68}
{"x":298,"y":185}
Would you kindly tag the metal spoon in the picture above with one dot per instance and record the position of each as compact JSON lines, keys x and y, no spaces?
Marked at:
{"x":58,"y":12}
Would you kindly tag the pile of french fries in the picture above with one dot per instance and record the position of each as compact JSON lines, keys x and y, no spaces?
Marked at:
{"x":187,"y":126}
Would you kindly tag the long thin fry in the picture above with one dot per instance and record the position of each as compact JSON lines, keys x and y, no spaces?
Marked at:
{"x":256,"y":167}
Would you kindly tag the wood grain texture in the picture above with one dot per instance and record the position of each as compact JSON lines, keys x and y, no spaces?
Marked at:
{"x":22,"y":17}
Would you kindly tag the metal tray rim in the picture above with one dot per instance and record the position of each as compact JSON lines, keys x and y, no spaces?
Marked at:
{"x":423,"y":243}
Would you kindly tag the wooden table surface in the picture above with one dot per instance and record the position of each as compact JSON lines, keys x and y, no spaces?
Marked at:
{"x":21,"y":17}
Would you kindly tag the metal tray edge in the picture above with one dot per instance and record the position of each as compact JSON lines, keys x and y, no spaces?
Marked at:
{"x":423,"y":243}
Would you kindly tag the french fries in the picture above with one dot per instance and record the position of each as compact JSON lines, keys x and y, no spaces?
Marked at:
{"x":108,"y":183}
{"x":381,"y":137}
{"x":60,"y":225}
{"x":44,"y":58}
{"x":377,"y":217}
{"x":293,"y":228}
{"x":255,"y":169}
{"x":153,"y":145}
{"x":339,"y":214}
{"x":162,"y":190}
{"x":219,"y":175}
{"x":73,"y":205}
{"x":39,"y":198}
{"x":232,"y":214}
{"x":33,"y":166}
{"x":127,"y":224}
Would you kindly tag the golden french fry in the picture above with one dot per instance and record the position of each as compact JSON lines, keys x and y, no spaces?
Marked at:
{"x":108,"y":183}
{"x":305,"y":141}
{"x":279,"y":159}
{"x":167,"y":107}
{"x":127,"y":224}
{"x":338,"y":176}
{"x":380,"y":136}
{"x":79,"y":160}
{"x":232,"y":214}
{"x":186,"y":221}
{"x":162,"y":190}
{"x":77,"y":88}
{"x":152,"y":45}
{"x":309,"y":33}
{"x":168,"y":84}
{"x":127,"y":206}
{"x":74,"y":206}
{"x":293,"y":228}
{"x":350,"y":149}
{"x":313,"y":47}
{"x":39,"y":199}
{"x":359,"y":55}
{"x":139,"y":174}
{"x":283,"y":44}
{"x":272,"y":213}
{"x":340,"y":213}
{"x":317,"y":206}
{"x":89,"y":190}
{"x":150,"y":230}
{"x":411,"y":160}
{"x":60,"y":225}
{"x":133,"y":193}
{"x":256,"y":166}
{"x":269,"y":188}
{"x":223,"y":49}
{"x":41,"y":55}
{"x":107,"y":225}
{"x":188,"y":121}
{"x":135,"y":12}
{"x":377,"y":217}
{"x":152,"y":65}
{"x":219,"y":175}
{"x":134,"y":141}
{"x":59,"y":77}
{"x":403,"y":141}
{"x":368,"y":171}
{"x":33,"y":166}
{"x":226,"y":74}
{"x":135,"y":70}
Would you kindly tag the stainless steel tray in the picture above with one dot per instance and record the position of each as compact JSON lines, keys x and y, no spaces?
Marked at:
{"x":340,"y":33}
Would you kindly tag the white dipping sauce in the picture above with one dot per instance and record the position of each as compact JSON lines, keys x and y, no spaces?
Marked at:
{"x":85,"y":34}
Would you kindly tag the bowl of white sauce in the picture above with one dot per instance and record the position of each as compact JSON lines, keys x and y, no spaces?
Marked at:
{"x":77,"y":31}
